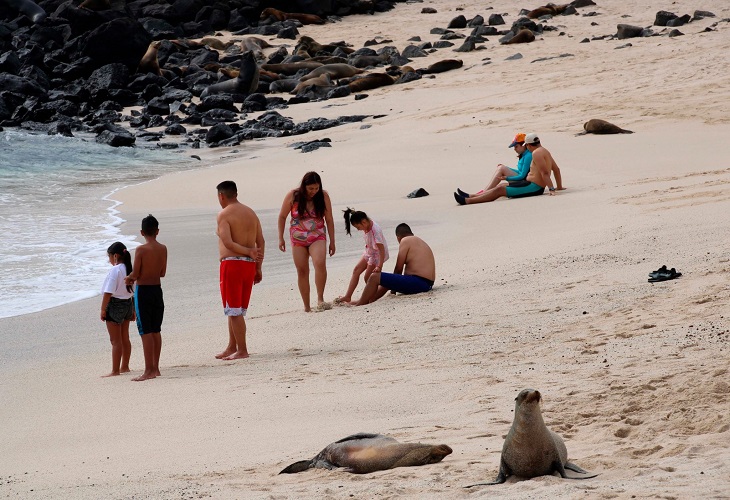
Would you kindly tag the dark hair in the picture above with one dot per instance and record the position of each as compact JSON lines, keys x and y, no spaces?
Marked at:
{"x":403,"y":229}
{"x":118,"y":248}
{"x":354,"y":217}
{"x":301,"y":192}
{"x":227,"y":189}
{"x":150,"y":225}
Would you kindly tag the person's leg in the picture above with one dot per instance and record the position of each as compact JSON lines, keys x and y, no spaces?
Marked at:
{"x":370,"y":290}
{"x":115,"y":337}
{"x":148,"y":347}
{"x":359,"y":269}
{"x":238,"y":326}
{"x":157,"y":337}
{"x":300,"y":255}
{"x":318,"y":251}
{"x":490,"y":195}
{"x":502,"y":170}
{"x":126,"y":347}
{"x":224,"y":283}
{"x":231,"y":347}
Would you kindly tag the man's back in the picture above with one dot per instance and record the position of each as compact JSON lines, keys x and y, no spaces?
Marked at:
{"x":152,"y":262}
{"x":242,"y":224}
{"x":419,"y":259}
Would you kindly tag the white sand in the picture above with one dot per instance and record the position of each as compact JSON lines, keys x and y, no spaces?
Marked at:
{"x":546,"y":292}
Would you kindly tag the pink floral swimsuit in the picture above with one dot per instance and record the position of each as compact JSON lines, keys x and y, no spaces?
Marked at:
{"x":305,"y":229}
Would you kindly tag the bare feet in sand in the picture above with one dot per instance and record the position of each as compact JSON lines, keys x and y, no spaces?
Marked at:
{"x":112,"y":374}
{"x":225,"y":354}
{"x":339,"y":301}
{"x":236,"y":355}
{"x":144,"y":376}
{"x":124,"y":370}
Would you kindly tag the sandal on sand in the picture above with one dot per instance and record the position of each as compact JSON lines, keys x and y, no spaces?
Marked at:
{"x":665,"y":276}
{"x":654,"y":274}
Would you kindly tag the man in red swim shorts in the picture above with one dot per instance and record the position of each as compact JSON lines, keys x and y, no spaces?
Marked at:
{"x":241,"y":251}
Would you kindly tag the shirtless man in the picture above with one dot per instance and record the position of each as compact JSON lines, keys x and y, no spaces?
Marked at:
{"x":534,"y":184}
{"x":241,"y":251}
{"x":416,"y":257}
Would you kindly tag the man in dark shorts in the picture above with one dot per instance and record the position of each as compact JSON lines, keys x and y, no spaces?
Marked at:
{"x":150,"y":265}
{"x":415,"y":269}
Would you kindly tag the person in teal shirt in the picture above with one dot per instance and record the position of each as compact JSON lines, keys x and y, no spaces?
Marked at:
{"x":505,"y":173}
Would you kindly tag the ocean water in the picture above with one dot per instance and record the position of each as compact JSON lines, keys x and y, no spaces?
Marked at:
{"x":58,"y":215}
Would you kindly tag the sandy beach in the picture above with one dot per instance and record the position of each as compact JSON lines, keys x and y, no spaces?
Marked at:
{"x":548,"y":292}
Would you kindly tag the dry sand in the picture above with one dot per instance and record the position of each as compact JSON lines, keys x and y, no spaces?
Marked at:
{"x":546,"y":292}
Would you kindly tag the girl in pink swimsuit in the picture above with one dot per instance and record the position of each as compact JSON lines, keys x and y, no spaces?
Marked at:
{"x":310,"y":210}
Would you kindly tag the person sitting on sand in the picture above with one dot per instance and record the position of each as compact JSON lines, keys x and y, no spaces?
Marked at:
{"x":505,"y":173}
{"x":415,"y":269}
{"x":534,"y":184}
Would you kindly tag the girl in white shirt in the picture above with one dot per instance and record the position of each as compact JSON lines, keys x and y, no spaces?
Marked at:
{"x":117,"y":307}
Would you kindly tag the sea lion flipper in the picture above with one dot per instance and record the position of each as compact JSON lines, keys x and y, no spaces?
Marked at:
{"x":573,"y":467}
{"x":501,"y":478}
{"x":300,"y":466}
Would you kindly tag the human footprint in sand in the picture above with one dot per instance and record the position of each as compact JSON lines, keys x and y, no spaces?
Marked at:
{"x":376,"y":250}
{"x":150,"y":265}
{"x":537,"y":179}
{"x":241,"y":251}
{"x":310,"y":209}
{"x":117,"y":309}
{"x":415,"y":269}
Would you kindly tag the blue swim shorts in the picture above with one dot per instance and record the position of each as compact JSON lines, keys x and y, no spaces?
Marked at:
{"x":523,"y":189}
{"x":405,"y":283}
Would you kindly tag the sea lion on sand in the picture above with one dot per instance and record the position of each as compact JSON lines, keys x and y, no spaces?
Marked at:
{"x":149,"y":62}
{"x":286,"y":85}
{"x":525,"y":35}
{"x":547,"y":10}
{"x":308,"y":45}
{"x":530,"y":448}
{"x":283,"y":16}
{"x":291,"y":68}
{"x":333,"y":70}
{"x":370,"y":81}
{"x":441,"y":66}
{"x":363,"y":453}
{"x":29,"y":9}
{"x":246,"y":82}
{"x":322,"y":80}
{"x":597,"y":126}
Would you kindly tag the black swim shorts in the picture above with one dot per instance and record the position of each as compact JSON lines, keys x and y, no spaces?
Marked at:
{"x":119,"y":310}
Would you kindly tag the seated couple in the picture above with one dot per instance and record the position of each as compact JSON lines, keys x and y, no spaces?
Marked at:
{"x":415,"y":269}
{"x":530,"y":179}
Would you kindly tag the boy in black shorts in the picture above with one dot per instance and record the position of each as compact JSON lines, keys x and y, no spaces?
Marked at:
{"x":150,"y":264}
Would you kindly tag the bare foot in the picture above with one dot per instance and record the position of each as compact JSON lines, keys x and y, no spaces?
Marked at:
{"x":124,"y":370}
{"x":225,"y":354}
{"x":342,"y":300}
{"x":157,"y":373}
{"x":307,"y":309}
{"x":144,"y":376}
{"x":236,"y":355}
{"x":112,"y":374}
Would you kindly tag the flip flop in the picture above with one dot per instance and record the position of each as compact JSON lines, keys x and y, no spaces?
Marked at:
{"x":654,"y":274}
{"x":665,"y":276}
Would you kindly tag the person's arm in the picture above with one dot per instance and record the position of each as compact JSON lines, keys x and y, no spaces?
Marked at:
{"x":104,"y":303}
{"x":137,"y":268}
{"x":329,"y":222}
{"x":224,"y":233}
{"x":260,"y":243}
{"x":523,"y":168}
{"x":558,"y":177}
{"x":381,"y":257}
{"x":401,"y":260}
{"x":163,"y":270}
{"x":543,"y":170}
{"x":285,"y":209}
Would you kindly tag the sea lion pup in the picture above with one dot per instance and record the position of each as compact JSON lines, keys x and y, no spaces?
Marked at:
{"x":370,"y":81}
{"x":530,"y":448}
{"x":208,"y":41}
{"x":285,"y":85}
{"x":312,"y":47}
{"x":333,"y":70}
{"x":291,"y":68}
{"x":597,"y":126}
{"x":441,"y":66}
{"x":149,"y":62}
{"x":283,"y":16}
{"x":246,"y":82}
{"x":29,"y":9}
{"x":547,"y":10}
{"x":322,"y":80}
{"x":364,"y":453}
{"x":525,"y":35}
{"x":95,"y":5}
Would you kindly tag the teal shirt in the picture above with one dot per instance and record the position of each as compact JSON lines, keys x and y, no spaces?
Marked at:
{"x":523,"y":167}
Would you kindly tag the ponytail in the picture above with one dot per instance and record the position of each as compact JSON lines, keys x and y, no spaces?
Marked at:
{"x":354,"y":217}
{"x":118,"y":248}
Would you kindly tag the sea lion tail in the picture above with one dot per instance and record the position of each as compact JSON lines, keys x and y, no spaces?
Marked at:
{"x":300,"y":466}
{"x":624,"y":131}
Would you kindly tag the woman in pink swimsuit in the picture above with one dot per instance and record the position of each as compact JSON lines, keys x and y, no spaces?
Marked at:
{"x":311,"y":211}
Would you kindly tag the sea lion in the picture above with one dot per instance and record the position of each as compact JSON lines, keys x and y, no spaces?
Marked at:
{"x":208,"y":41}
{"x":246,"y":82}
{"x":283,"y":16}
{"x":149,"y":62}
{"x":547,"y":10}
{"x":525,"y":35}
{"x":370,"y":81}
{"x":291,"y":68}
{"x":364,"y":453}
{"x":285,"y":85}
{"x":333,"y":70}
{"x":441,"y":66}
{"x":29,"y":9}
{"x":322,"y":80}
{"x":530,"y":448}
{"x":597,"y":126}
{"x":311,"y":47}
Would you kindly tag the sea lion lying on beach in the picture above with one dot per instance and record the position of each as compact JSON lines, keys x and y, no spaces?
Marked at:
{"x":597,"y":126}
{"x":525,"y":35}
{"x":370,"y":81}
{"x":363,"y":453}
{"x":308,"y":47}
{"x":283,"y":16}
{"x":530,"y":448}
{"x":547,"y":10}
{"x":291,"y":68}
{"x":441,"y":66}
{"x":245,"y":83}
{"x":322,"y":80}
{"x":333,"y":70}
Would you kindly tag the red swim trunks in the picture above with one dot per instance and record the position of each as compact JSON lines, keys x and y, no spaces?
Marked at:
{"x":237,"y":275}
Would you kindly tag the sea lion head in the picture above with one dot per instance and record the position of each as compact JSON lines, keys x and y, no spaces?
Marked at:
{"x":438,"y":453}
{"x":528,"y":397}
